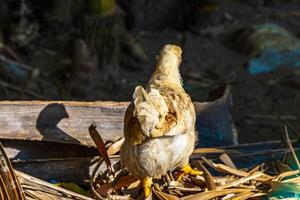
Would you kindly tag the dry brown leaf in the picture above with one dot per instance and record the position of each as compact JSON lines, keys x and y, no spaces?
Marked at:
{"x":210,"y":184}
{"x":4,"y":193}
{"x":122,"y":182}
{"x":255,"y":169}
{"x":175,"y":185}
{"x":213,"y":194}
{"x":241,"y":180}
{"x":243,"y":195}
{"x":223,"y":179}
{"x":199,"y":181}
{"x":286,"y":174}
{"x":228,"y":170}
{"x":289,"y":144}
{"x":119,"y":197}
{"x":164,"y":196}
{"x":9,"y":184}
{"x":134,"y":185}
{"x":227,"y":160}
{"x":47,"y":187}
{"x":115,"y":147}
{"x":293,"y":180}
{"x":42,"y":195}
{"x":100,"y":144}
{"x":228,"y":196}
{"x":212,"y":150}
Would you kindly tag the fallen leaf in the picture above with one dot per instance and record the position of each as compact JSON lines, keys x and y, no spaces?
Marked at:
{"x":227,"y":160}
{"x":122,"y":182}
{"x":164,"y":196}
{"x":115,"y":147}
{"x":213,"y":194}
{"x":209,"y":181}
{"x":100,"y":144}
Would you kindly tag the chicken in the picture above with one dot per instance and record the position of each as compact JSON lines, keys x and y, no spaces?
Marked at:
{"x":159,"y":124}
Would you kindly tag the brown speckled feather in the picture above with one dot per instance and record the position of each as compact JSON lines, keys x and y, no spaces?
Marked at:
{"x":159,"y":124}
{"x":163,"y":108}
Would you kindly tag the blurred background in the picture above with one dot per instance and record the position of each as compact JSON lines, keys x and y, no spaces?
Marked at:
{"x":88,"y":50}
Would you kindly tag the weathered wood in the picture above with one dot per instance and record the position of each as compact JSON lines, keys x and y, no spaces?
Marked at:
{"x":53,"y":161}
{"x":63,"y":122}
{"x":75,"y":170}
{"x":68,"y":121}
{"x":27,"y":150}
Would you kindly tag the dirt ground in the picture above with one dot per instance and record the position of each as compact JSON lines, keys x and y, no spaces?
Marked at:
{"x":209,"y":63}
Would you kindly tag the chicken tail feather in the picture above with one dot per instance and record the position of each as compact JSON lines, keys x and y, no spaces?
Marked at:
{"x":145,"y":111}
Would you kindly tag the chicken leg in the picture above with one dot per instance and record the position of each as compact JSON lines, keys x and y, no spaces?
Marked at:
{"x":147,"y":183}
{"x":187,"y":169}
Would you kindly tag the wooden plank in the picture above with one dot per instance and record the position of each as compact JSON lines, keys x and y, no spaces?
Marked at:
{"x":53,"y":161}
{"x":63,"y":122}
{"x":68,"y":121}
{"x":75,"y":170}
{"x":26,"y":150}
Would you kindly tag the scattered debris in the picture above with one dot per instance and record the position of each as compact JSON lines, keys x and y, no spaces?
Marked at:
{"x":271,"y":59}
{"x":257,"y":179}
{"x":9,"y":184}
{"x":272,"y":45}
{"x":14,"y":70}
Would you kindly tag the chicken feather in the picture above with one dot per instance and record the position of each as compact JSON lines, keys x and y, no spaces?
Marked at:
{"x":159,"y":124}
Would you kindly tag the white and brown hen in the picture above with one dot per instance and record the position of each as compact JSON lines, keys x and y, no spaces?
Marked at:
{"x":159,"y":124}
